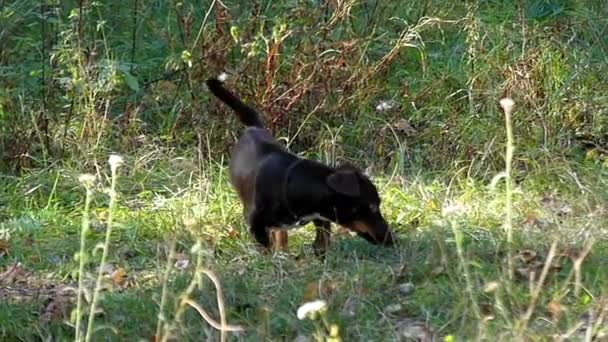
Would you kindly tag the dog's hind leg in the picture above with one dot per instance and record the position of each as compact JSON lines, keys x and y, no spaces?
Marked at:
{"x":323,"y":236}
{"x":279,"y":239}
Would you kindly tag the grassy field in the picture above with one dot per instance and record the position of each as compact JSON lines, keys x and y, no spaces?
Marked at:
{"x":409,"y":92}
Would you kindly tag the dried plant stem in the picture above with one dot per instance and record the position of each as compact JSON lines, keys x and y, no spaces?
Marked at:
{"x":465,"y":270}
{"x":82,"y":260}
{"x":539,"y":285}
{"x":223,"y":326}
{"x":104,"y":254}
{"x":507,"y":106}
{"x":578,"y":262}
{"x":163,"y":296}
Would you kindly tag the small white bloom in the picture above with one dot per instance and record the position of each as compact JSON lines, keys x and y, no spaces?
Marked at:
{"x":159,"y":201}
{"x":311,"y":309}
{"x":87,"y":179}
{"x":490,"y":287}
{"x":182,"y":264}
{"x":507,"y":105}
{"x":115,"y":160}
{"x":453,"y":209}
{"x":223,"y":77}
{"x":383,"y":106}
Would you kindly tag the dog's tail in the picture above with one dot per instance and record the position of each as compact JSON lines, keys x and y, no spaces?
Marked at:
{"x":246,"y":114}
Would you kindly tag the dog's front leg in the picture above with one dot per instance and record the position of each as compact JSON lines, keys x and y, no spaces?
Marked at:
{"x":257,"y":226}
{"x":278,"y":237}
{"x":323,"y":236}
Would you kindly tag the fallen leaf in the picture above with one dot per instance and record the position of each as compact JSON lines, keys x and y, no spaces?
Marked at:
{"x":311,"y":292}
{"x":181,"y":264}
{"x":233,"y":233}
{"x":411,"y":329}
{"x":555,"y":205}
{"x":385,"y":105}
{"x":350,"y":306}
{"x":526,"y":255}
{"x":406,"y":289}
{"x":34,"y":258}
{"x":392,"y":308}
{"x":56,"y":309}
{"x":490,"y":287}
{"x":119,"y":276}
{"x":4,"y":247}
{"x":317,"y":289}
{"x":107,"y":269}
{"x":555,"y":309}
{"x":13,"y":274}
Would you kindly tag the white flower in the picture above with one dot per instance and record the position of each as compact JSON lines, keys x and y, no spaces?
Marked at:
{"x":115,"y":160}
{"x":87,"y":179}
{"x":490,"y":287}
{"x":507,"y":105}
{"x":310,"y":309}
{"x":223,"y":77}
{"x":383,"y":106}
{"x":453,"y":209}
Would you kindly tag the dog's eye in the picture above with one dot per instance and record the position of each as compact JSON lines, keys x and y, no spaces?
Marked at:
{"x":373,"y":208}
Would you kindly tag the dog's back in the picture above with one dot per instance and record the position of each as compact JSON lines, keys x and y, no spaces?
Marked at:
{"x":253,"y":148}
{"x":247,"y":157}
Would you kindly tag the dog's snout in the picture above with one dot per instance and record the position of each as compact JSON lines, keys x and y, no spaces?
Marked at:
{"x":376,"y":232}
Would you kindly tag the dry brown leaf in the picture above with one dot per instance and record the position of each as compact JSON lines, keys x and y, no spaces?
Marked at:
{"x":56,"y":309}
{"x":233,"y":233}
{"x":555,"y":309}
{"x":526,"y":255}
{"x":119,"y":277}
{"x":311,"y":292}
{"x":34,"y":258}
{"x":408,"y":329}
{"x":316,"y":289}
{"x":403,"y":126}
{"x":4,"y":247}
{"x":13,"y":274}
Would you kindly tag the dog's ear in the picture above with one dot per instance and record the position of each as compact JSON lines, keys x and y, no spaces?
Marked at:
{"x":345,"y":182}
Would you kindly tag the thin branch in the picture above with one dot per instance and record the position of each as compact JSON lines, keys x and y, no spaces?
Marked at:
{"x":210,"y":319}
{"x":539,"y":285}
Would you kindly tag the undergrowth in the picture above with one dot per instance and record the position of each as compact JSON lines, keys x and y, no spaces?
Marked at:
{"x":501,"y":228}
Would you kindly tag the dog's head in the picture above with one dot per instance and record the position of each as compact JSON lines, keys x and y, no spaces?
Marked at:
{"x":359,"y":205}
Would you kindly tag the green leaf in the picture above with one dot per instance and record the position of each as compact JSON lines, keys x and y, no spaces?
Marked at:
{"x":130,"y":80}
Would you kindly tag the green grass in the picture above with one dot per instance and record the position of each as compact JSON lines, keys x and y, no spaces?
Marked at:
{"x":82,"y":80}
{"x":263,"y":292}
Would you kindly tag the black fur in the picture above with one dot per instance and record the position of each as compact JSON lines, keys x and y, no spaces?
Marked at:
{"x":279,"y":190}
{"x":246,"y":114}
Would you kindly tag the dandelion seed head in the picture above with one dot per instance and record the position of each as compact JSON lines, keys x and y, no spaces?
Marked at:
{"x":507,"y":104}
{"x":115,"y":160}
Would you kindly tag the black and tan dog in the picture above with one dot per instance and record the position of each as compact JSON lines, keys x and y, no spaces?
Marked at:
{"x":279,"y":190}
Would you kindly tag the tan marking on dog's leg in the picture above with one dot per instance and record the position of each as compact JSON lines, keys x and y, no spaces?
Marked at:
{"x":278,"y":238}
